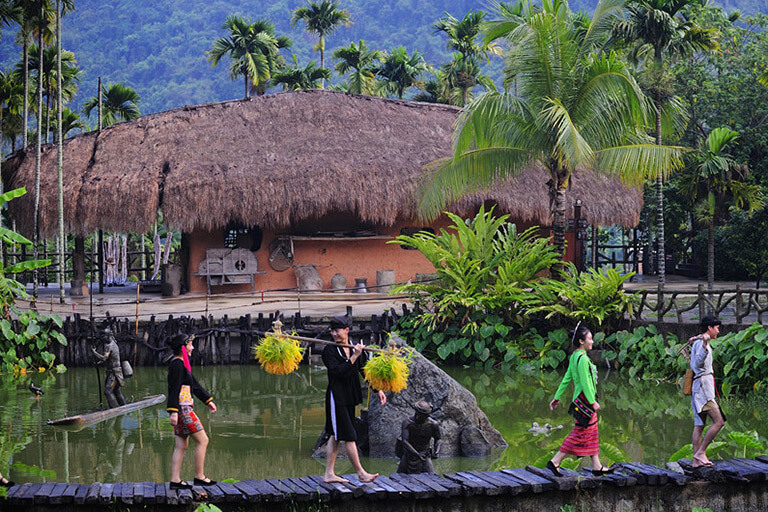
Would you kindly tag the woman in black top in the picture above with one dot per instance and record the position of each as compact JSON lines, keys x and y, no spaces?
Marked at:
{"x":181,"y":386}
{"x":344,"y":364}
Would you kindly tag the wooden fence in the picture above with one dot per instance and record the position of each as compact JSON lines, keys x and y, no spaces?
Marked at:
{"x":737,"y":305}
{"x":219,"y":341}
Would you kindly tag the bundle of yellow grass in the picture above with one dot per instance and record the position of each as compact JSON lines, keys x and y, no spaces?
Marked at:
{"x":278,"y":354}
{"x":388,"y":371}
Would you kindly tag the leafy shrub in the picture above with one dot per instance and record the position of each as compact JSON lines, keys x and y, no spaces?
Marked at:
{"x":483,"y":266}
{"x":24,"y":342}
{"x":490,"y":292}
{"x":595,"y":297}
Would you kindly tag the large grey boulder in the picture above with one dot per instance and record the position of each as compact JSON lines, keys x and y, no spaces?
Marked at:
{"x":465,"y":428}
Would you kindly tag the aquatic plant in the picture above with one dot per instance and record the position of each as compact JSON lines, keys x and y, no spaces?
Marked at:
{"x":278,"y":354}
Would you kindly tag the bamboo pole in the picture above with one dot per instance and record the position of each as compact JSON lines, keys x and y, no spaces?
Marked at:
{"x":323,"y":342}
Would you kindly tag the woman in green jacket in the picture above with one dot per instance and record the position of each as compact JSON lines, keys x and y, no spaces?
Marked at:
{"x":583,"y":441}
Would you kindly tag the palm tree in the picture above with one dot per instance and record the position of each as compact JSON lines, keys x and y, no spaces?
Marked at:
{"x":361,"y":62}
{"x":659,"y":31}
{"x":321,"y":19}
{"x":70,"y":77}
{"x":11,"y":101}
{"x":252,"y":48}
{"x":463,"y":72}
{"x":576,"y":108}
{"x":300,"y":79}
{"x":119,"y":103}
{"x":70,"y":121}
{"x":712,"y":178}
{"x":399,"y":71}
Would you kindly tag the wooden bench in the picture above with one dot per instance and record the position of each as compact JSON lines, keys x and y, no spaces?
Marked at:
{"x":228,"y":266}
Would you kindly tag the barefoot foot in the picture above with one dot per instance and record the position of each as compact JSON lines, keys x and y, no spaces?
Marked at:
{"x":367,"y":478}
{"x":331,"y":479}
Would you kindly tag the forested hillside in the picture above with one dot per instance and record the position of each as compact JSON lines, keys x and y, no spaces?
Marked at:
{"x":158,"y":48}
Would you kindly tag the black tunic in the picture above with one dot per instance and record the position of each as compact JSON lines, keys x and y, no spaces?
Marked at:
{"x":343,"y":376}
{"x":179,"y":376}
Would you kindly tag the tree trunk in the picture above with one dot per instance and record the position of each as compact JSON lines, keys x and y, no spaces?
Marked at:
{"x":660,"y":202}
{"x":26,"y":94}
{"x":60,"y":158}
{"x":247,"y":85}
{"x":558,"y":224}
{"x":38,"y":155}
{"x":322,"y":60}
{"x":78,"y":266}
{"x":711,"y":255}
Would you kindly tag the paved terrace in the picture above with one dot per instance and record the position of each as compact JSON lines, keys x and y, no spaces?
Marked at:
{"x":734,"y":485}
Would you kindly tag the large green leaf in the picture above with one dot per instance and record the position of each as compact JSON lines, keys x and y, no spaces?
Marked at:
{"x":26,"y":265}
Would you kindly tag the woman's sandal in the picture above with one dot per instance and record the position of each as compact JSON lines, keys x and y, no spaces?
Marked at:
{"x":207,"y":481}
{"x":7,"y":483}
{"x":180,"y":485}
{"x":602,"y":471}
{"x":554,"y":469}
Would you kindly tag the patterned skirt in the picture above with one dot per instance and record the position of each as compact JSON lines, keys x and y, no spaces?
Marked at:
{"x":188,"y":422}
{"x":583,"y":441}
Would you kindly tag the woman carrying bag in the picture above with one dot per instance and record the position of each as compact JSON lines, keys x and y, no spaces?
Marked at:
{"x":583,"y":441}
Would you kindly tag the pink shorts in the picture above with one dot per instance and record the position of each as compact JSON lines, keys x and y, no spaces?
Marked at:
{"x":188,"y":422}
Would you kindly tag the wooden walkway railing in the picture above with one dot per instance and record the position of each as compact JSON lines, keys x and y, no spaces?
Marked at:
{"x":736,"y":305}
{"x":420,"y":487}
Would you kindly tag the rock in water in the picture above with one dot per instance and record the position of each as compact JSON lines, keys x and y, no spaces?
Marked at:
{"x":465,"y":428}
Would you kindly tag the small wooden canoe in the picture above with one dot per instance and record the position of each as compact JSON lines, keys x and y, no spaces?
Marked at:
{"x":95,"y":417}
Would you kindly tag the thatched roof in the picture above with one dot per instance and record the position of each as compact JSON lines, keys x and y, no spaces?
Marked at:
{"x":273,"y":161}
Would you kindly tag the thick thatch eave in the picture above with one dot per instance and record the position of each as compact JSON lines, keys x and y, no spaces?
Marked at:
{"x":274,"y":161}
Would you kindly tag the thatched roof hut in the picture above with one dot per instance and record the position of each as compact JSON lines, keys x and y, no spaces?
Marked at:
{"x":273,"y":161}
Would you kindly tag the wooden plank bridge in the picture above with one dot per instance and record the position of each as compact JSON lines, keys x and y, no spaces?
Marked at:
{"x":418,"y":489}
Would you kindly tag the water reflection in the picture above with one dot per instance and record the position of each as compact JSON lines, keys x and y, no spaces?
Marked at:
{"x":267,"y":425}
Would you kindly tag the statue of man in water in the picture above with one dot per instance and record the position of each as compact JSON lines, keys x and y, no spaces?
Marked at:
{"x":114,"y":380}
{"x":416,"y":449}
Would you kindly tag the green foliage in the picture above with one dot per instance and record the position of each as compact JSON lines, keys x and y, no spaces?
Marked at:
{"x":645,"y":353}
{"x":207,"y":507}
{"x":740,"y":359}
{"x":736,"y":444}
{"x":489,"y":291}
{"x":595,"y":297}
{"x":25,"y":336}
{"x":484,"y":273}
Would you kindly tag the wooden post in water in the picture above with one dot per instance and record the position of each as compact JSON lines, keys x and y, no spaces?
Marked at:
{"x":739,"y":303}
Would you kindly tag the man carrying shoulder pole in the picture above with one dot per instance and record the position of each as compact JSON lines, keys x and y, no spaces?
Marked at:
{"x":344,"y":364}
{"x":703,"y":400}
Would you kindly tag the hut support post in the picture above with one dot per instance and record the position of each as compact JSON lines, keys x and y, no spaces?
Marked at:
{"x":101,"y":261}
{"x":78,"y":268}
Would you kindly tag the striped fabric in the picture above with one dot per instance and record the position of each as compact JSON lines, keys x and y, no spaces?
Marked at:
{"x":583,"y":441}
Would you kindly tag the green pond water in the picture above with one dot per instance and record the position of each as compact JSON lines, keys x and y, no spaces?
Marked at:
{"x":267,"y":425}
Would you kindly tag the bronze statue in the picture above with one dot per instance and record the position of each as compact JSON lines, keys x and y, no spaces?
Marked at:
{"x":115,"y":379}
{"x":414,"y":446}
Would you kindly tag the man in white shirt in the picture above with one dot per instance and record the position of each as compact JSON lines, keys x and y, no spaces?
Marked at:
{"x":703,"y":400}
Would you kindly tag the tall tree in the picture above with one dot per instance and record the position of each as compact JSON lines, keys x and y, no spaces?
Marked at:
{"x":660,"y":32}
{"x":11,"y":91}
{"x":321,"y":19}
{"x":398,"y":71}
{"x":576,"y":108}
{"x":297,"y":78}
{"x":119,"y":103}
{"x":713,"y":180}
{"x":360,"y":63}
{"x":253,"y":50}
